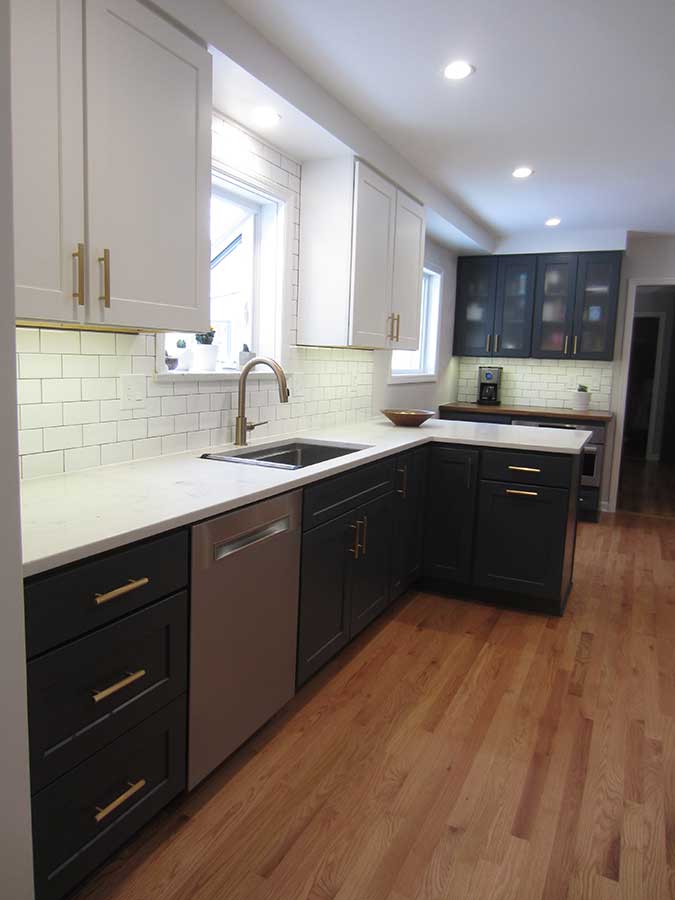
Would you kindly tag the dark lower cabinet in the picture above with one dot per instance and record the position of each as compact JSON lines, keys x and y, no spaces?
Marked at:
{"x":520,"y":539}
{"x":371,"y":569}
{"x":323,"y":626}
{"x":408,"y":517}
{"x":450,"y":513}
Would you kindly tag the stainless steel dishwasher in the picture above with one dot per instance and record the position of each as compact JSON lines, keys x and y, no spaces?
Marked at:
{"x":245,"y":581}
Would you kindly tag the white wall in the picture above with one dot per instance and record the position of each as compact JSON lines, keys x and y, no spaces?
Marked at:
{"x":425,"y":395}
{"x":16,"y":866}
{"x":561,"y":240}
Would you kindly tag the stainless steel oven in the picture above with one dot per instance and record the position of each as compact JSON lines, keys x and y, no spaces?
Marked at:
{"x":593,"y":455}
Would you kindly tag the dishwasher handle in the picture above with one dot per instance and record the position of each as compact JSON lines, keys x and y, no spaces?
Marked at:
{"x":255,"y":536}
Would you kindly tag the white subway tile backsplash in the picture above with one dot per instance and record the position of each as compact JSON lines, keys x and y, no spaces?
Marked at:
{"x":211,"y":420}
{"x":54,"y":341}
{"x":61,"y":389}
{"x":81,"y":413}
{"x":116,"y":453}
{"x":99,"y":388}
{"x":63,"y":438}
{"x":42,"y":464}
{"x":39,"y":365}
{"x":82,"y":458}
{"x":29,"y":391}
{"x":198,"y":440}
{"x":98,"y":343}
{"x":30,"y":441}
{"x":189,"y":422}
{"x":27,"y":340}
{"x":112,"y":366}
{"x":133,"y":345}
{"x":99,"y":433}
{"x":80,"y":366}
{"x":160,"y":426}
{"x":41,"y":415}
{"x":146,"y":448}
{"x":174,"y":406}
{"x":198,"y":403}
{"x":143,"y":365}
{"x":132,"y":429}
{"x":174,"y":443}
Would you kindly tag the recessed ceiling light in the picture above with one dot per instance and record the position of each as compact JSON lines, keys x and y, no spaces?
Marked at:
{"x":552,"y":222}
{"x":266,"y":117}
{"x":522,"y":172}
{"x":458,"y":69}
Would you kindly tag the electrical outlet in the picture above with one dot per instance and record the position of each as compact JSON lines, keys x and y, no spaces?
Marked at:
{"x":132,"y":391}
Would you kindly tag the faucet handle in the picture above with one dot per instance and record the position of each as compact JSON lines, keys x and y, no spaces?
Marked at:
{"x":251,"y":425}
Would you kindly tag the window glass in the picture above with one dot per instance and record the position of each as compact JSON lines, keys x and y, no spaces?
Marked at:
{"x":422,"y":362}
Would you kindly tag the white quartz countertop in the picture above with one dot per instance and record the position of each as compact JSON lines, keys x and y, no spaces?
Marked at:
{"x":66,"y":518}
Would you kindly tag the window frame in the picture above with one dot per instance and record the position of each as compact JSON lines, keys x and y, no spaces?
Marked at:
{"x":419,"y":376}
{"x":264,"y":193}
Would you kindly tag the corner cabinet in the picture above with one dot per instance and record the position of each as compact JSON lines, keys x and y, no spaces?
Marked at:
{"x":112,"y":178}
{"x":495,"y":298}
{"x":361,"y":258}
{"x":551,"y":306}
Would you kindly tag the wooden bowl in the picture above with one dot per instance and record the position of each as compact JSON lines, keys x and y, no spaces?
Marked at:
{"x":410,"y":418}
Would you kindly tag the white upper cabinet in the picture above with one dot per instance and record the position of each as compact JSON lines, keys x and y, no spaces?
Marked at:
{"x":48,"y":154}
{"x":361,"y":257}
{"x":406,"y":301}
{"x":139,"y":101}
{"x":148,"y":128}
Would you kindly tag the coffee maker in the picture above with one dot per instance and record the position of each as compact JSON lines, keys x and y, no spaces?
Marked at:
{"x":489,"y":380}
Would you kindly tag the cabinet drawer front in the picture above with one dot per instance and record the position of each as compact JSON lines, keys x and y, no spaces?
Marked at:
{"x":335,"y":496}
{"x":73,"y":601}
{"x":83,"y":817}
{"x":84,"y":695}
{"x":527,"y":468}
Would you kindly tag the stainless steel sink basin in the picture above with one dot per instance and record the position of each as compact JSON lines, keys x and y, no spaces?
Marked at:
{"x":291,"y":455}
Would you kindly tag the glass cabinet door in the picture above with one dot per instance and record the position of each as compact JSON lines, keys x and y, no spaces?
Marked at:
{"x":514,"y":306}
{"x":475,"y":316}
{"x":554,"y":305}
{"x":596,"y":303}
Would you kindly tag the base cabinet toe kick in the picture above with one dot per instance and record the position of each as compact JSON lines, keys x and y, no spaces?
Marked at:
{"x":245,"y":608}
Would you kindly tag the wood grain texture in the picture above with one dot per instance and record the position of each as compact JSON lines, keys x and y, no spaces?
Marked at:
{"x":454,"y":752}
{"x":539,"y":412}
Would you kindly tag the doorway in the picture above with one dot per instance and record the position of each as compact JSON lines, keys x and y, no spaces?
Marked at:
{"x":647,"y":481}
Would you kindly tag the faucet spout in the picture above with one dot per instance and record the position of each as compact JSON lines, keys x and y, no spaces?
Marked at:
{"x":242,"y":427}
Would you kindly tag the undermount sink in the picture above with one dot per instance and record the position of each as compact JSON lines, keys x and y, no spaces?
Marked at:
{"x":292,"y":455}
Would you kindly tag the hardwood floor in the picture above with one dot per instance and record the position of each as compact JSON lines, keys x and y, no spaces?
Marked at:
{"x":455,"y":751}
{"x":647,"y":488}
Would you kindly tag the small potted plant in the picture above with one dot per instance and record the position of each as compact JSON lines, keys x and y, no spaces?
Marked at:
{"x":205,"y":353}
{"x":184,"y":355}
{"x":581,"y":397}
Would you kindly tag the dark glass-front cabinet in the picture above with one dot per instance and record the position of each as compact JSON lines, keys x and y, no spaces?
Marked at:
{"x":495,"y":298}
{"x":575,"y":306}
{"x":409,"y":497}
{"x":451,"y":503}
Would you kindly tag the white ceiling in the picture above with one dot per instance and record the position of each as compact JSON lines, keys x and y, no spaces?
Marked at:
{"x":582,"y":90}
{"x":236,"y":93}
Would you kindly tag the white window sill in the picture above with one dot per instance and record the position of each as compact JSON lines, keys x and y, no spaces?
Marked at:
{"x":427,"y":378}
{"x":231,"y":375}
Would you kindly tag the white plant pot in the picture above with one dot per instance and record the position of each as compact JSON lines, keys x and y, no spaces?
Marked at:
{"x":581,"y":400}
{"x":205,"y":357}
{"x":184,"y":360}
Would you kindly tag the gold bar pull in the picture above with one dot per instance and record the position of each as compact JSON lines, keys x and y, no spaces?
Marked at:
{"x":134,"y":788}
{"x":574,"y":348}
{"x":523,"y":469}
{"x":364,"y":545}
{"x":391,"y":320}
{"x":398,"y":327}
{"x":79,"y":256}
{"x":497,"y":338}
{"x":523,"y":493}
{"x":403,"y":490}
{"x":488,"y":342}
{"x":357,"y":546}
{"x":567,"y":343}
{"x":105,"y":296}
{"x":97,"y":696}
{"x":120,"y":591}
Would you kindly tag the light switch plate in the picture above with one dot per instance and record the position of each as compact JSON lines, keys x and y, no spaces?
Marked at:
{"x":132,"y":391}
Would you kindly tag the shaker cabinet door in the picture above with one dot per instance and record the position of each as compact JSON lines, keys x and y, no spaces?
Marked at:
{"x":372,"y":258}
{"x":475,"y":313}
{"x":372,"y":570}
{"x":148,"y":169}
{"x":406,"y":301}
{"x":514,"y":307}
{"x":597,"y":296}
{"x":554,"y":306}
{"x":48,"y":157}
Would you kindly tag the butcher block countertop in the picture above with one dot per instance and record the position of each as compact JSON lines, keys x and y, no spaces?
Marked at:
{"x":551,"y":412}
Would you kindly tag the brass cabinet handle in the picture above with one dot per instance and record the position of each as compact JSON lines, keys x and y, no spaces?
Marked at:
{"x":97,"y":696}
{"x":398,"y":327}
{"x":391,"y":318}
{"x":357,"y":546}
{"x":523,"y":493}
{"x":134,"y":788}
{"x":567,"y":343}
{"x":105,"y":296}
{"x":133,"y":585}
{"x":488,"y":342}
{"x":497,"y":338}
{"x":523,"y":469}
{"x":403,"y":490}
{"x":79,"y":256}
{"x":364,"y":545}
{"x":574,"y":348}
